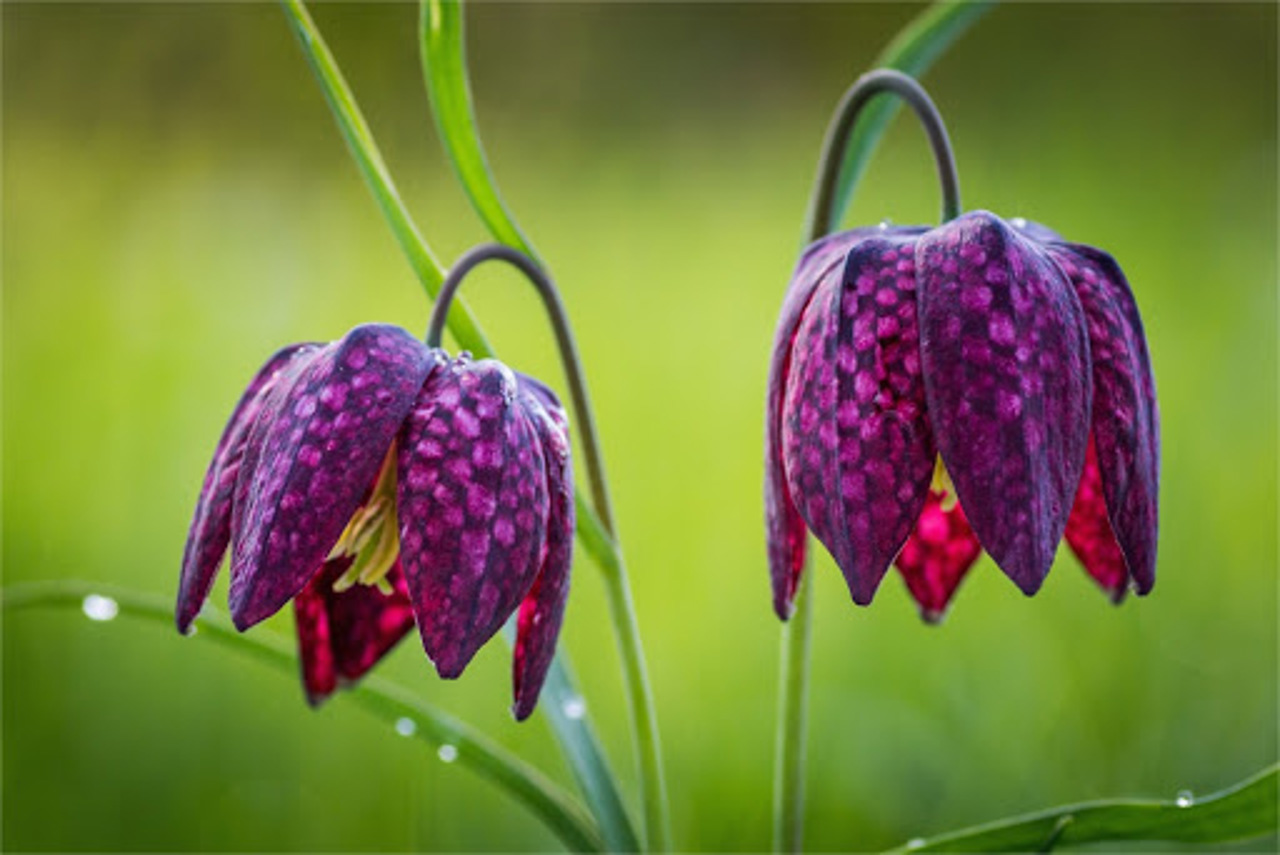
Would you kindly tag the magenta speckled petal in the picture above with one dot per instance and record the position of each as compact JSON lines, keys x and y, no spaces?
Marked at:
{"x":341,"y":635}
{"x":211,"y":526}
{"x":784,"y":527}
{"x":1007,"y":374}
{"x":936,"y":557}
{"x":856,"y":438}
{"x":473,"y":508}
{"x":316,"y":449}
{"x":542,"y":610}
{"x":1126,"y":420}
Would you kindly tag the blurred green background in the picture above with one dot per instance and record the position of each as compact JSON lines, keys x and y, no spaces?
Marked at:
{"x":177,"y":204}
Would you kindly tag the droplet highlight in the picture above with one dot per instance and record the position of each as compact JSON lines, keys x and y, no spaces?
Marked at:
{"x":100,"y":608}
{"x":1185,"y":798}
{"x":575,"y":708}
{"x":915,"y":843}
{"x":406,"y":726}
{"x":447,"y":753}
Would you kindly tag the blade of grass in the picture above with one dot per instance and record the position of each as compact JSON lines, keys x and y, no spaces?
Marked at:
{"x":444,"y":66}
{"x":1244,"y":811}
{"x":385,"y":700}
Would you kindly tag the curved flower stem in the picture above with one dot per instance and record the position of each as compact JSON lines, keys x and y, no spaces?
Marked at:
{"x":383,"y":699}
{"x":603,"y":545}
{"x":793,"y":714}
{"x":883,"y":80}
{"x":788,"y":795}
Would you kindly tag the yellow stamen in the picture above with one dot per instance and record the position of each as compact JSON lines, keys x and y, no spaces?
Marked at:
{"x":372,"y":537}
{"x":942,"y":484}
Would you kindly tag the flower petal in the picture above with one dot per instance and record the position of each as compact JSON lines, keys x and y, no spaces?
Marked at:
{"x":341,"y":635}
{"x":542,"y":610}
{"x":1006,"y":366}
{"x":1126,"y":419}
{"x":784,"y":528}
{"x":1089,"y":532}
{"x":473,"y":508}
{"x":316,"y":448}
{"x":211,"y":525}
{"x":937,"y":556}
{"x":859,"y":454}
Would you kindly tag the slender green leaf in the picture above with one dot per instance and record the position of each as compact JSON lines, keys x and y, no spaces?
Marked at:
{"x":385,"y":700}
{"x":1244,"y":811}
{"x":913,"y":50}
{"x":444,"y":67}
{"x":364,"y":149}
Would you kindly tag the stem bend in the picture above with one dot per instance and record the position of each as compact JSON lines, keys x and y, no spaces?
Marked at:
{"x":865,"y":88}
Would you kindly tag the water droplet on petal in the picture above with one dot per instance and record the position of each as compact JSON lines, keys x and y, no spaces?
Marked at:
{"x":98,"y":607}
{"x":406,"y":726}
{"x":447,"y":753}
{"x":1019,"y":222}
{"x":915,"y":843}
{"x":884,"y":225}
{"x":1185,"y":798}
{"x":575,"y":708}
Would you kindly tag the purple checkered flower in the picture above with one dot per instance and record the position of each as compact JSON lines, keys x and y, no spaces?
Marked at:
{"x":378,"y":484}
{"x":935,"y":392}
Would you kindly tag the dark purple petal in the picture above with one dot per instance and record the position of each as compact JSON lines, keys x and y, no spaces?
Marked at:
{"x":1007,"y":375}
{"x":784,"y":528}
{"x":341,"y":635}
{"x":211,"y":526}
{"x":1126,"y":420}
{"x":473,"y":508}
{"x":1089,"y":532}
{"x":856,"y":439}
{"x":316,"y":448}
{"x":936,"y":557}
{"x":542,"y":610}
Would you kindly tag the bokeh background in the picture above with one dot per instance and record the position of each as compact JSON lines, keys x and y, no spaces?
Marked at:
{"x":177,"y":204}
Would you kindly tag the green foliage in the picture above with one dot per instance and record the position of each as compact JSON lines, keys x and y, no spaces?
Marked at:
{"x":1245,"y":811}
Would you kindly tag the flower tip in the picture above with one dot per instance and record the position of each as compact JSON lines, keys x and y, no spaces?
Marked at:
{"x":523,"y":708}
{"x":932,"y":617}
{"x":1117,"y":594}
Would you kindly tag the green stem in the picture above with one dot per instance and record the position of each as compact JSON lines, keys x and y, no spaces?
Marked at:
{"x":621,"y":608}
{"x":793,"y":715}
{"x":822,"y":211}
{"x":577,"y":739}
{"x":364,"y":149}
{"x":383,"y":699}
{"x":912,"y":51}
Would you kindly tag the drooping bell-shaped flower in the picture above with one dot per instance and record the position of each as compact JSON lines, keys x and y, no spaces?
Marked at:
{"x":378,"y":484}
{"x":935,"y":392}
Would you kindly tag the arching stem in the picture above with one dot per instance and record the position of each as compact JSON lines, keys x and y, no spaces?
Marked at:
{"x":865,"y":88}
{"x":618,"y":590}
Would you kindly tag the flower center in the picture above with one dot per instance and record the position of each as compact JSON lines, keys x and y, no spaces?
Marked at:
{"x":942,"y":484}
{"x":372,"y":538}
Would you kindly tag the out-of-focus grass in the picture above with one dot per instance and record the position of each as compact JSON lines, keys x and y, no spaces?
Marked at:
{"x":177,"y":204}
